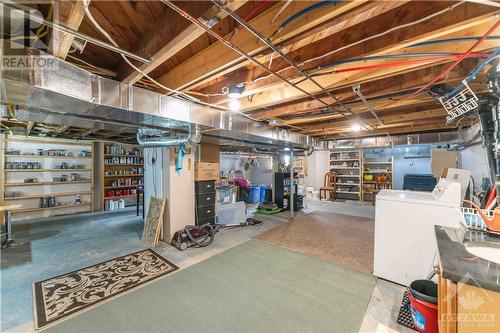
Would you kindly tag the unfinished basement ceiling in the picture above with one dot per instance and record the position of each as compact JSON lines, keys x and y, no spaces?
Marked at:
{"x":390,"y":48}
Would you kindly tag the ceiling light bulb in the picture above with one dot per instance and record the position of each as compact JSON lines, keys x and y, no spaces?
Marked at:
{"x":234,"y":105}
{"x":235,"y":91}
{"x":356,"y":128}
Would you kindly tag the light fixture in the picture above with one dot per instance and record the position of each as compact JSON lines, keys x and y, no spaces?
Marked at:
{"x":236,"y":91}
{"x":356,"y":128}
{"x":234,"y":105}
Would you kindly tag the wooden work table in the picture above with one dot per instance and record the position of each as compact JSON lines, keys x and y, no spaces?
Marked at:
{"x":468,"y":286}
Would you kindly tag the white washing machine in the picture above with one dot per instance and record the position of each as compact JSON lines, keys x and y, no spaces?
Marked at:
{"x":405,"y":244}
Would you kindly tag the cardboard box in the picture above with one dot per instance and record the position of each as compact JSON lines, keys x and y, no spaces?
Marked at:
{"x":206,"y":171}
{"x":209,"y":152}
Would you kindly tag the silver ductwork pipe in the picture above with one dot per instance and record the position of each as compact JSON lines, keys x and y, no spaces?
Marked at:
{"x":152,"y":138}
{"x":65,"y":94}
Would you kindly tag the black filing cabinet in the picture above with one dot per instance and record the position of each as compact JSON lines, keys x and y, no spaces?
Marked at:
{"x":205,"y":201}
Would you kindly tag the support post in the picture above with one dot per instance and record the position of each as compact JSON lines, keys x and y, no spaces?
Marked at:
{"x":292,"y":185}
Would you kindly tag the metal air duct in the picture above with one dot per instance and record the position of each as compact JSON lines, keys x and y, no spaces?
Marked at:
{"x":64,"y":91}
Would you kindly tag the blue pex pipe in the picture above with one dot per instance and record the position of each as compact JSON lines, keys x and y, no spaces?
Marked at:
{"x":452,"y":40}
{"x":473,"y":75}
{"x":307,"y":10}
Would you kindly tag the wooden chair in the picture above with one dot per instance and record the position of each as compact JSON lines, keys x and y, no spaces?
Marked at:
{"x":330,"y":185}
{"x":382,"y":181}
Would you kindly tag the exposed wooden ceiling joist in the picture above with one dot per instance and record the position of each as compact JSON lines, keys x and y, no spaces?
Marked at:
{"x":164,"y":40}
{"x":217,"y":57}
{"x":464,"y":17}
{"x":244,"y":70}
{"x":385,"y":86}
{"x":70,"y":14}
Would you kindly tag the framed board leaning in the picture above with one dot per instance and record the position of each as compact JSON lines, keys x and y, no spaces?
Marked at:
{"x":153,"y":223}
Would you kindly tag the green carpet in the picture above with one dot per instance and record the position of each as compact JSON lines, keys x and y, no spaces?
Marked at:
{"x":254,"y":287}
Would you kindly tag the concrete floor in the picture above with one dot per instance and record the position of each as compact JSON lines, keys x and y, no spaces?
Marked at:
{"x":54,"y":246}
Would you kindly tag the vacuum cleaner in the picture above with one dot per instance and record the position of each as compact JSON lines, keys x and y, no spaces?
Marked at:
{"x":204,"y":235}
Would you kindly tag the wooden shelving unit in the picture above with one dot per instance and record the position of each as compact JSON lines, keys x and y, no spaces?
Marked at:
{"x":123,"y":172}
{"x":347,"y":165}
{"x":53,"y":162}
{"x":375,"y":168}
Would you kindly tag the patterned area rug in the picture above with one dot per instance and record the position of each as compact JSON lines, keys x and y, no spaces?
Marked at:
{"x":70,"y":293}
{"x":342,"y":239}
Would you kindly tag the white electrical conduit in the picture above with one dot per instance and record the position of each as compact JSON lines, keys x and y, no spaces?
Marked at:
{"x":181,"y":93}
{"x":486,"y":2}
{"x":281,"y":10}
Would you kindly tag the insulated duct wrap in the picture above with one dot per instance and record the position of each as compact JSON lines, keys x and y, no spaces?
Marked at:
{"x":72,"y":94}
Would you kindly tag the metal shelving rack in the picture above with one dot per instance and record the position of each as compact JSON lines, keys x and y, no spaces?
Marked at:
{"x":347,"y":165}
{"x":32,"y":192}
{"x":106,"y":179}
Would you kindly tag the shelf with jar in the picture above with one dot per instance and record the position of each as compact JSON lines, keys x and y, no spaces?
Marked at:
{"x":377,"y":175}
{"x":46,"y":174}
{"x":347,"y":166}
{"x":123,"y":173}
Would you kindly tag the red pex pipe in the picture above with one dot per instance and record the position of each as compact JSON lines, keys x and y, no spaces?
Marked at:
{"x":254,"y":9}
{"x":400,"y":63}
{"x":457,"y":62}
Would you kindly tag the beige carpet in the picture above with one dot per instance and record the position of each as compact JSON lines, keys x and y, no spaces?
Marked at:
{"x":343,"y":239}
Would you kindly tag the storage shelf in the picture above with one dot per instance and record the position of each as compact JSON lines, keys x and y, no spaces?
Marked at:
{"x":347,"y":192}
{"x":345,"y":152}
{"x":47,"y":156}
{"x":114,"y":155}
{"x":121,"y":196}
{"x":48,"y":183}
{"x":119,"y":187}
{"x":370,"y":172}
{"x":122,"y":176}
{"x":107,"y":165}
{"x":45,"y":170}
{"x":36,"y":196}
{"x":26,"y":210}
{"x":345,"y":168}
{"x":366,"y":162}
{"x":344,"y":160}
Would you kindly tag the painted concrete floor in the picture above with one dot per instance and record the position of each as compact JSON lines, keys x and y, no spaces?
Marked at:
{"x":51,"y":247}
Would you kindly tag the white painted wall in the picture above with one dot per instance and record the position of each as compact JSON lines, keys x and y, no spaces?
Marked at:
{"x":162,"y":180}
{"x":473,"y":158}
{"x":318,"y":165}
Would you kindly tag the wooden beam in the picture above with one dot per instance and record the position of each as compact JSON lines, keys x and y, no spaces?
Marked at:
{"x":340,"y":23}
{"x":161,"y":47}
{"x":431,"y":127}
{"x":217,"y":58}
{"x":387,"y":120}
{"x":398,"y":83}
{"x":463,"y":18}
{"x":379,"y":105}
{"x":70,"y":14}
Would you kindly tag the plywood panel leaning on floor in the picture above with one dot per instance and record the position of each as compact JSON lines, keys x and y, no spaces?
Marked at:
{"x":154,"y":220}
